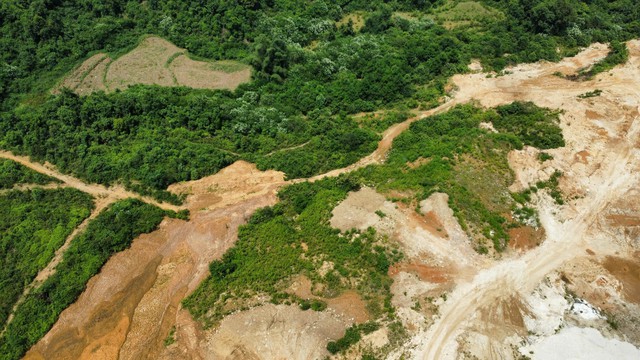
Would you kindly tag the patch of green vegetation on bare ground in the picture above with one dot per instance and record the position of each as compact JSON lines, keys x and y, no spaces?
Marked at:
{"x":468,"y":163}
{"x":465,"y":13}
{"x":618,"y":54}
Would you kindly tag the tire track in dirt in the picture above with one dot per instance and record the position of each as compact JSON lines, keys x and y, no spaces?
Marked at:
{"x":565,"y":240}
{"x":379,"y":155}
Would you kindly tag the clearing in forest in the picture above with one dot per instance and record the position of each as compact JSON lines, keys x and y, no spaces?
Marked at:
{"x":465,"y":13}
{"x":154,"y":61}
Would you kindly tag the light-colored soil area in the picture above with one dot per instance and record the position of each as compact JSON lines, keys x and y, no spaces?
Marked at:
{"x":581,"y":343}
{"x":348,"y":306}
{"x":610,"y":174}
{"x":274,"y":332}
{"x":204,"y":75}
{"x":154,"y":61}
{"x":94,"y":80}
{"x":143,"y":65}
{"x":80,"y":75}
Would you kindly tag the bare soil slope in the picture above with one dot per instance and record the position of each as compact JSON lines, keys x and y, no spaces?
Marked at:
{"x":608,"y":175}
{"x":127,"y":310}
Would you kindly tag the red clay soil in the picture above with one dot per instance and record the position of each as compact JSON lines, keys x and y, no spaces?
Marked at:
{"x":432,"y":274}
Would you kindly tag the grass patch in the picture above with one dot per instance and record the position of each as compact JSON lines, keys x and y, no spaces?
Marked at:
{"x":590,"y":94}
{"x":534,"y":126}
{"x":171,"y":337}
{"x":455,"y":14}
{"x":228,"y":66}
{"x":353,"y":21}
{"x":552,"y":186}
{"x":112,"y":231}
{"x":173,"y":57}
{"x":543,"y":156}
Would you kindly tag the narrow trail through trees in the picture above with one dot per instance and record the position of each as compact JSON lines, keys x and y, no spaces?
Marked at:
{"x":95,"y":190}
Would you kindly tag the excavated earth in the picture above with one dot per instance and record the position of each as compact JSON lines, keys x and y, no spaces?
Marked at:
{"x":577,"y":282}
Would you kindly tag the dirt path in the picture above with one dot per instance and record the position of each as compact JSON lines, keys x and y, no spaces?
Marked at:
{"x":380,"y":154}
{"x":103,"y":198}
{"x":288,"y":149}
{"x":96,"y":190}
{"x":605,"y":183}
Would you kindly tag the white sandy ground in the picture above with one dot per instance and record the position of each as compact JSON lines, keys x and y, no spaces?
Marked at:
{"x":569,"y":228}
{"x":574,"y":343}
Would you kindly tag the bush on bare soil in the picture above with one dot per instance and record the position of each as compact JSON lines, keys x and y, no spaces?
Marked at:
{"x":467,"y":162}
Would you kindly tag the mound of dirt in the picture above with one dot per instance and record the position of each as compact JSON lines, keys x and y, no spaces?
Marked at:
{"x":154,"y":61}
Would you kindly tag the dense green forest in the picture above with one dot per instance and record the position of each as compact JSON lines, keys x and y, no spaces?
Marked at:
{"x":294,"y":237}
{"x":33,"y":225}
{"x":310,"y":70}
{"x":451,"y":153}
{"x":12,"y":174}
{"x":156,"y":136}
{"x":112,"y":231}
